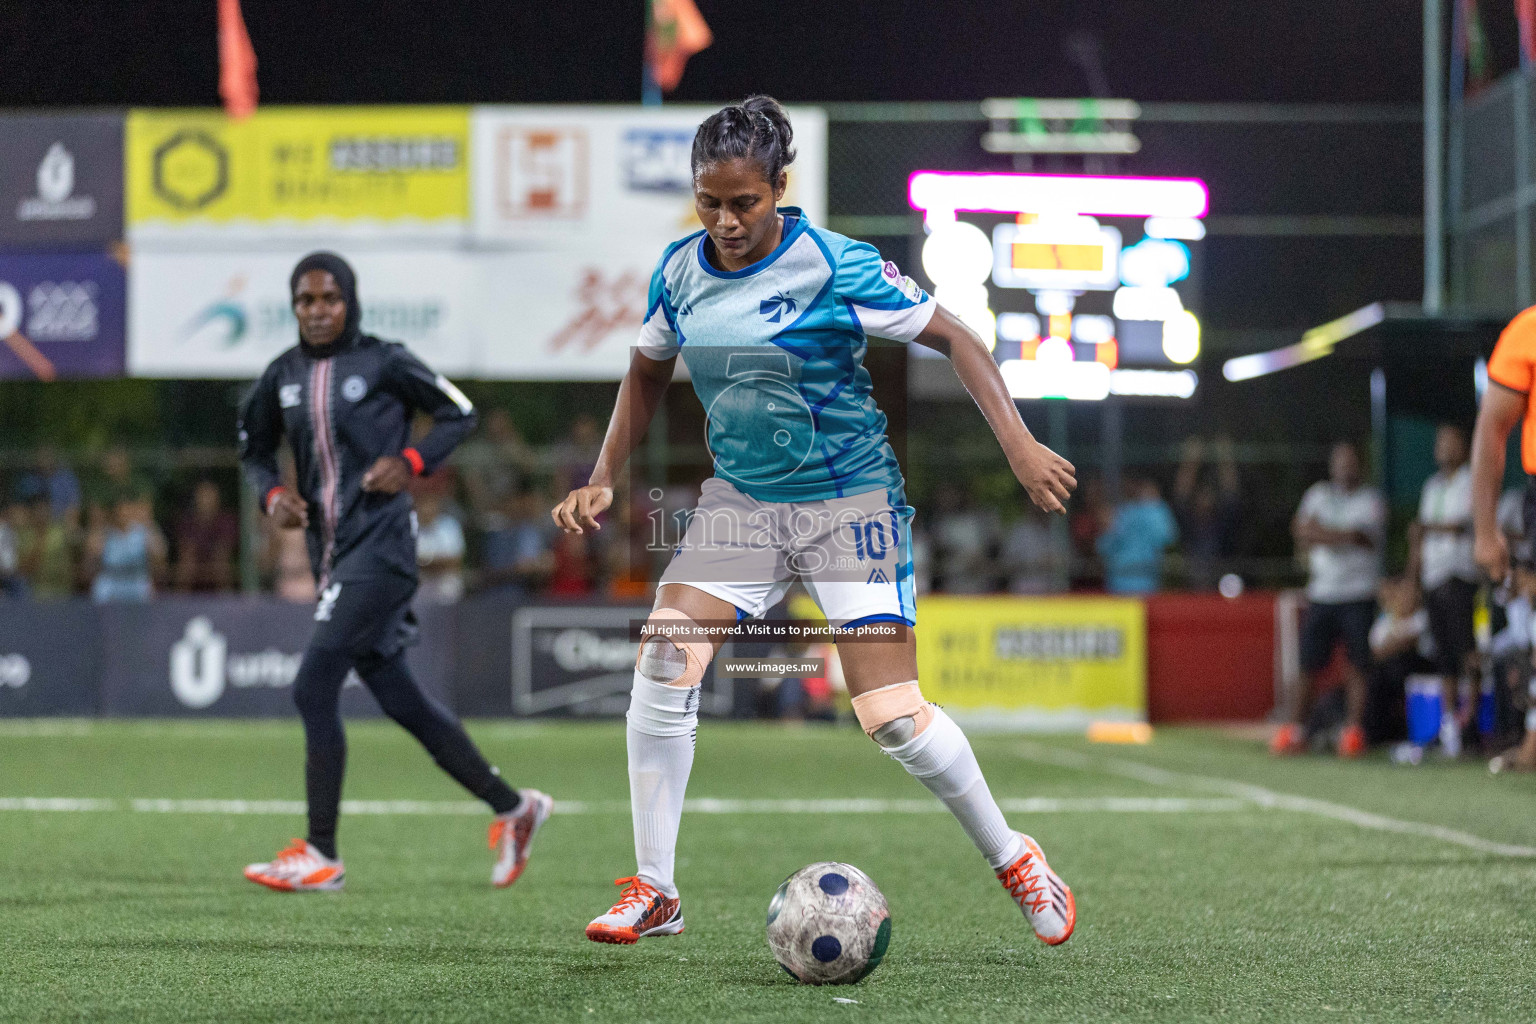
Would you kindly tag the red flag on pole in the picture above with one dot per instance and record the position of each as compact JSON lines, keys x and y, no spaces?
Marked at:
{"x":675,"y":31}
{"x":237,"y":62}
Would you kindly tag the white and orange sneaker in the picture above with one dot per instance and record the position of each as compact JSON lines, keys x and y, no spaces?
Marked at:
{"x":299,"y":868}
{"x":511,"y":834}
{"x":642,"y":910}
{"x":1042,"y":895}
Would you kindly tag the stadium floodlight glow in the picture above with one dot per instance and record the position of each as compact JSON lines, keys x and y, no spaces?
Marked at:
{"x":1154,"y":263}
{"x":1315,"y":344}
{"x":1181,"y":338}
{"x":1018,"y":327}
{"x":1092,"y":329}
{"x":1154,"y":383}
{"x":1133,"y":303}
{"x":1036,"y":378}
{"x":1055,"y":303}
{"x":957,"y":253}
{"x":1185,"y":229}
{"x":940,"y":194}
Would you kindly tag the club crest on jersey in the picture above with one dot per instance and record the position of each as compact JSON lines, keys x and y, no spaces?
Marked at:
{"x":290,"y":395}
{"x":778,"y":306}
{"x":354,"y":388}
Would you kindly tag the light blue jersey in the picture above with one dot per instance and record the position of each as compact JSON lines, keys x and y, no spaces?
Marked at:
{"x":776,"y":353}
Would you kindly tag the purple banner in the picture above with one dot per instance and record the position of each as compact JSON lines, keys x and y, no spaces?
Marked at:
{"x":62,"y":316}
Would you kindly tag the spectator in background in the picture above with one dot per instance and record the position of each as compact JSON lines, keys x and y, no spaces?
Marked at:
{"x":439,"y":551}
{"x":1341,"y":524}
{"x":1440,"y":555}
{"x":497,"y":463}
{"x":1138,"y":537}
{"x":517,"y":552}
{"x":1207,"y":509}
{"x":1400,"y":647}
{"x":118,"y":481}
{"x":12,"y":583}
{"x":572,"y":568}
{"x":1030,"y":557}
{"x":1088,"y":517}
{"x":207,"y":539}
{"x":964,"y":538}
{"x":51,"y":480}
{"x":576,"y":456}
{"x":126,"y":554}
{"x":51,"y":550}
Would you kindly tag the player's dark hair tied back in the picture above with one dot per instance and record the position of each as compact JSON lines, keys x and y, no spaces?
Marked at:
{"x":756,"y":128}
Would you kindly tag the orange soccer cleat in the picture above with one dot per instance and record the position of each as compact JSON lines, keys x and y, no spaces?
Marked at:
{"x":299,"y":868}
{"x":511,"y":835}
{"x":1045,"y":899}
{"x":1288,"y":739}
{"x":1352,"y":741}
{"x":642,"y":910}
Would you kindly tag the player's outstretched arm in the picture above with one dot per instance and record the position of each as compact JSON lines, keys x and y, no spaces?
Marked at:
{"x":1502,"y":408}
{"x":1047,"y":477}
{"x":640,"y":393}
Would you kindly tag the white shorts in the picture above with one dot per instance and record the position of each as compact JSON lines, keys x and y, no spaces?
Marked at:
{"x":853,"y":554}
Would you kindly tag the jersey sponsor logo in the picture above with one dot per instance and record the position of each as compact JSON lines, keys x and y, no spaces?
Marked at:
{"x":778,"y":305}
{"x":891,"y":271}
{"x":911,"y":289}
{"x":289,"y":396}
{"x":354,"y":388}
{"x":327,"y":604}
{"x":908,"y":287}
{"x":878,"y":576}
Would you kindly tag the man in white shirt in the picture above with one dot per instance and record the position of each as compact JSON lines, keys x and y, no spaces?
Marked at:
{"x":1341,"y":524}
{"x":1441,"y":556}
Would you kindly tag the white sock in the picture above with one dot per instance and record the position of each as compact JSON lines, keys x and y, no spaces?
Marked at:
{"x":941,"y":759}
{"x":662,"y":723}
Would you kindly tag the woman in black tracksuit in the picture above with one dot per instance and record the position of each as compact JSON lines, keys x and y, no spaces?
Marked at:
{"x":345,"y":401}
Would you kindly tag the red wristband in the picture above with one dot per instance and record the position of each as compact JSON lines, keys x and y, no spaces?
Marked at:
{"x":413,"y":458}
{"x":273,"y":493}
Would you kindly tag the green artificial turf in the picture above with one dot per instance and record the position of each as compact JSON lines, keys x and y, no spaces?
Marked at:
{"x":1224,"y":908}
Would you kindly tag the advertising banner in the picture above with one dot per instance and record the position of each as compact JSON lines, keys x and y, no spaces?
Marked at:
{"x":61,"y":316}
{"x":1058,"y":662}
{"x":50,"y":658}
{"x":579,"y":660}
{"x":357,"y":171}
{"x":226,"y":657}
{"x":575,"y":206}
{"x":61,"y":180}
{"x":227,"y":314}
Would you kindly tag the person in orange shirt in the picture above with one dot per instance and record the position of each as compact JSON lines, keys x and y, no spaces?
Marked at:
{"x":1508,"y":400}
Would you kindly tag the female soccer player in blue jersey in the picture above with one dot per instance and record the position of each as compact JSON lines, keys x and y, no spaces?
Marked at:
{"x":772,"y":315}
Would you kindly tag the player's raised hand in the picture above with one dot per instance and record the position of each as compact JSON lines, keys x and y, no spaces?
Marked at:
{"x":389,"y":475}
{"x":1048,"y":478}
{"x":581,"y":508}
{"x":288,"y":510}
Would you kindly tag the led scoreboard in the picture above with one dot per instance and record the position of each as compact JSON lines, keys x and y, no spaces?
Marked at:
{"x":1080,"y":283}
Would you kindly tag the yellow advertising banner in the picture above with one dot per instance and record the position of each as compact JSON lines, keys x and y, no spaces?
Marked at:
{"x":1034,"y":661}
{"x":296,"y":166}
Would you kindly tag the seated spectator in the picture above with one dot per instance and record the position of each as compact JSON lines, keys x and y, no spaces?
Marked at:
{"x":207,"y":539}
{"x":1133,"y":547}
{"x":52,"y":481}
{"x":1208,"y":509}
{"x":51,"y":550}
{"x":1030,"y":557}
{"x":439,"y":551}
{"x":517,"y":555}
{"x":964,"y":537}
{"x":126,"y":554}
{"x":1401,"y":646}
{"x":1512,"y":654}
{"x":497,"y":462}
{"x":12,"y":583}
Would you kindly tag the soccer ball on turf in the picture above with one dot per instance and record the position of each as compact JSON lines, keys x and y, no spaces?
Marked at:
{"x":828,"y":924}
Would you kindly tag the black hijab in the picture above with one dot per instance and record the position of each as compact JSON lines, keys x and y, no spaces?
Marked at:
{"x":346,"y":280}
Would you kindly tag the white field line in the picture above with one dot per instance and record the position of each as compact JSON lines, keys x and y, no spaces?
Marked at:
{"x":1033,"y":805}
{"x":1267,"y":798}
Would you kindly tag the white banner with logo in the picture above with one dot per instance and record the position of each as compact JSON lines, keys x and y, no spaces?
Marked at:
{"x":572,"y":207}
{"x":228,"y":314}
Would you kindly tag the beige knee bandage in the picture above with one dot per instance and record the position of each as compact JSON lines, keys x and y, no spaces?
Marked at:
{"x":687,"y":639}
{"x":879,"y":708}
